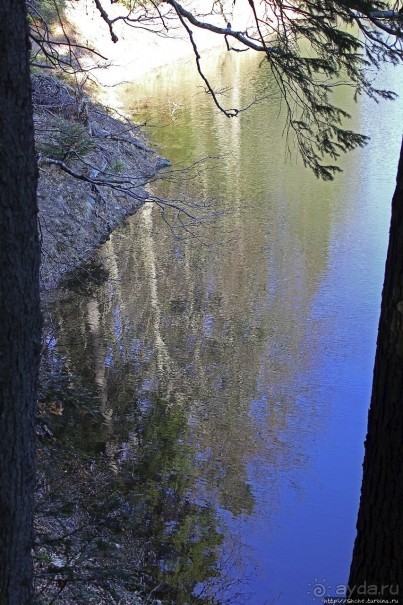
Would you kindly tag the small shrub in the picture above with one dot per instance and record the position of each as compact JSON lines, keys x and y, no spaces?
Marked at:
{"x":43,"y":556}
{"x":118,"y":166}
{"x":64,"y":139}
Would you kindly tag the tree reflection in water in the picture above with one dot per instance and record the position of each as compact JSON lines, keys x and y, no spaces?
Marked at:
{"x":124,"y":485}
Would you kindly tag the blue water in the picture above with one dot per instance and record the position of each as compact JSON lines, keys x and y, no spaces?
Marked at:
{"x":295,"y":546}
{"x":258,"y":332}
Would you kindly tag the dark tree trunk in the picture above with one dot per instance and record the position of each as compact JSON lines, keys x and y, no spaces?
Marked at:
{"x":20,"y":322}
{"x":377,"y":556}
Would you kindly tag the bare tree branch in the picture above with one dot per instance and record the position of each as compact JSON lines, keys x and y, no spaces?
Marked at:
{"x":108,"y":21}
{"x":186,"y":15}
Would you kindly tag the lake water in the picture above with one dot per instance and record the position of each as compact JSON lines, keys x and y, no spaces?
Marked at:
{"x":232,"y":350}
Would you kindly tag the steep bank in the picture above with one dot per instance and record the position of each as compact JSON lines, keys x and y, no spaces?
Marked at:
{"x":94,"y":168}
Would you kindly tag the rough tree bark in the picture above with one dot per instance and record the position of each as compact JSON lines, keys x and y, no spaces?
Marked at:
{"x":377,"y":556}
{"x":20,"y":322}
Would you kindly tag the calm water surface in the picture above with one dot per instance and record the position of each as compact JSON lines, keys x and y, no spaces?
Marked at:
{"x":233,"y":366}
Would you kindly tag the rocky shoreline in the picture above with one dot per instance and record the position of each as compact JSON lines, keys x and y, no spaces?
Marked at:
{"x":94,"y":168}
